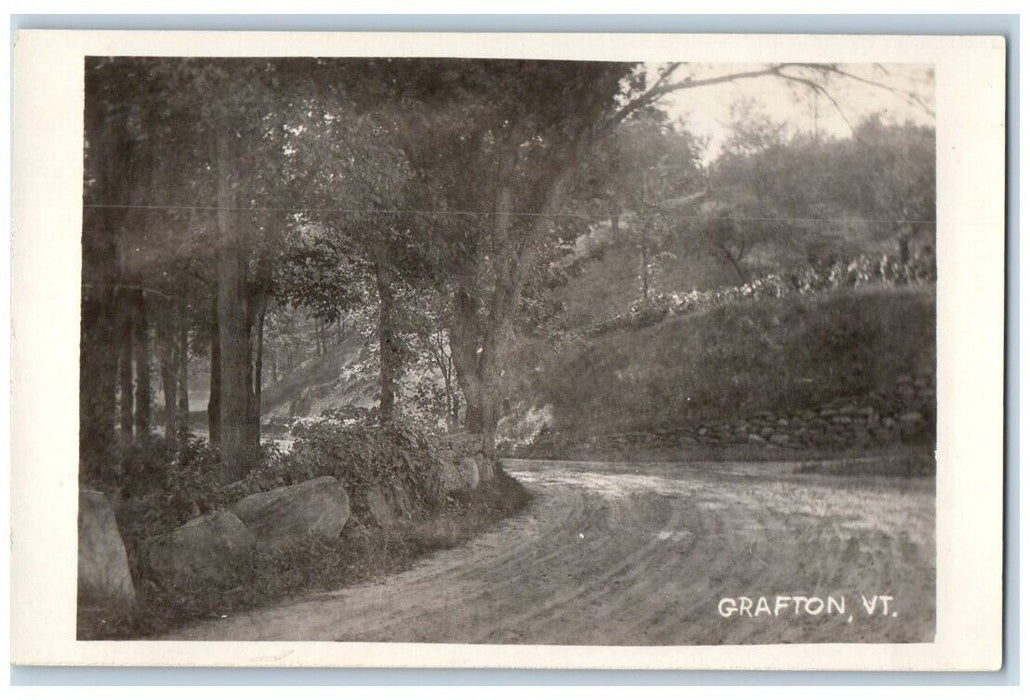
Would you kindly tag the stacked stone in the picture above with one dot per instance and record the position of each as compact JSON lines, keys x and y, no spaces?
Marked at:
{"x":902,"y":413}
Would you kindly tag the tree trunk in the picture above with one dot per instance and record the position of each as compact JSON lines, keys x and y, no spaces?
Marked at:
{"x":464,"y":339}
{"x":454,"y":417}
{"x":125,"y":399}
{"x":614,"y":215}
{"x":737,"y":268}
{"x":480,"y":373}
{"x":390,"y":351}
{"x":499,"y":337}
{"x":905,"y":247}
{"x":256,"y":327}
{"x":99,"y":351}
{"x":141,"y":356}
{"x":497,"y":333}
{"x":447,"y":370}
{"x":214,"y":410}
{"x":435,"y":343}
{"x":235,"y":445}
{"x":111,"y":157}
{"x":235,"y":366}
{"x":512,"y":262}
{"x":182,"y":409}
{"x":169,"y":380}
{"x":448,"y":402}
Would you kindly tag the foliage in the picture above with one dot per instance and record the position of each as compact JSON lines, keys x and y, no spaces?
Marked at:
{"x":181,"y":467}
{"x":645,"y":161}
{"x":171,"y":485}
{"x":166,"y":483}
{"x":752,"y":130}
{"x":888,"y":174}
{"x":321,"y":274}
{"x":805,"y":189}
{"x":427,"y":402}
{"x":359,"y":450}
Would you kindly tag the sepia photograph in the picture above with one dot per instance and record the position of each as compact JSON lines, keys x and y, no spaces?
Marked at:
{"x":451,"y":349}
{"x":549,"y":352}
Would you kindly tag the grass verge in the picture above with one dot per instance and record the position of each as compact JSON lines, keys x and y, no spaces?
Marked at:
{"x":779,"y":355}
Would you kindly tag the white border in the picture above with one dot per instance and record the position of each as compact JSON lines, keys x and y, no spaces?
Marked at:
{"x":45,"y":309}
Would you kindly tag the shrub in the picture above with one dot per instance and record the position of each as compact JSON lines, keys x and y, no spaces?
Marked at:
{"x":168,"y":482}
{"x":184,"y":483}
{"x":165,"y":483}
{"x":361,"y":452}
{"x":134,"y":467}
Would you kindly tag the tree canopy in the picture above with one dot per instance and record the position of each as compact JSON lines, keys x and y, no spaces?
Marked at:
{"x":434,"y":202}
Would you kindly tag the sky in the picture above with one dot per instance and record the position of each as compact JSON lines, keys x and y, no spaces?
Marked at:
{"x":705,"y":110}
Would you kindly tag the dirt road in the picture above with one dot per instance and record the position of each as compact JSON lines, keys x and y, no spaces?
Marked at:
{"x":642,"y":555}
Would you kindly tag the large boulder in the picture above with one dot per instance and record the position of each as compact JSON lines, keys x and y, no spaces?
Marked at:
{"x":284,"y":515}
{"x":379,"y":510}
{"x":447,"y":477}
{"x":464,"y":443}
{"x":387,"y":504}
{"x":204,"y":547}
{"x":400,"y":500}
{"x":486,"y":467}
{"x":447,"y":454}
{"x":104,"y":576}
{"x":468,"y":469}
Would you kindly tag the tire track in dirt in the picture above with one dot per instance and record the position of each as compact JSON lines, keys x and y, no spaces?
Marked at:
{"x":641,"y":554}
{"x":594,"y":586}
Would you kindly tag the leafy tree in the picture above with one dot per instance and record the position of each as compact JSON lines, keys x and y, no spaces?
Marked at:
{"x":217,"y":138}
{"x":222,"y":193}
{"x":892,"y":180}
{"x":810,"y":198}
{"x":506,"y":141}
{"x":638,"y":168}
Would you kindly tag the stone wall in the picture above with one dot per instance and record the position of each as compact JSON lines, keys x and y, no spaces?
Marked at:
{"x":905,"y":413}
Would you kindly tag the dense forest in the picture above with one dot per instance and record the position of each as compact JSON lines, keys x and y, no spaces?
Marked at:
{"x":243,"y":216}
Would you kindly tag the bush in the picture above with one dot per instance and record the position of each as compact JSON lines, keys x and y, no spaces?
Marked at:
{"x":361,"y":452}
{"x":165,"y":483}
{"x":166,"y":486}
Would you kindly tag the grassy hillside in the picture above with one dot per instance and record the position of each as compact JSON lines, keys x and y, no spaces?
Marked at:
{"x":610,"y":284}
{"x":765,"y":355}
